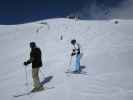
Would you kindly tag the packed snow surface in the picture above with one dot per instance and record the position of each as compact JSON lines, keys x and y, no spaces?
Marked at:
{"x":107,"y":59}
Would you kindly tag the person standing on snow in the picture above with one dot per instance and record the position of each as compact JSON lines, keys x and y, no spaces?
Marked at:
{"x":75,"y":56}
{"x":35,"y":59}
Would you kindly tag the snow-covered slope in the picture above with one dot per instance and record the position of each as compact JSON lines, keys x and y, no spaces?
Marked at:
{"x":107,"y":58}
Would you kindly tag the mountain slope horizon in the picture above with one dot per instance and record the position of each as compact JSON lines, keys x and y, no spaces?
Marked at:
{"x":19,"y":12}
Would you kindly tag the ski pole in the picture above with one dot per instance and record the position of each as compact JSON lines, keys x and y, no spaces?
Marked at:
{"x":26,"y":78}
{"x":42,"y":74}
{"x":70,"y":61}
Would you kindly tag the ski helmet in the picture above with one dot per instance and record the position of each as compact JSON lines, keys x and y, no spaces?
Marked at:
{"x":32,"y":44}
{"x":73,"y":41}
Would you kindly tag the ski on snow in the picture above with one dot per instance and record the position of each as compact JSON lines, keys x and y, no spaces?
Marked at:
{"x":28,"y":93}
{"x":71,"y":72}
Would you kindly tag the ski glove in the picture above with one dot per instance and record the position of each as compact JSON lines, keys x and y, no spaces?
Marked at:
{"x":28,"y":62}
{"x":25,"y":63}
{"x":73,"y":53}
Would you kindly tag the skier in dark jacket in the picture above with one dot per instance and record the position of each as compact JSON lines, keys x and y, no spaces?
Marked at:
{"x":35,"y":59}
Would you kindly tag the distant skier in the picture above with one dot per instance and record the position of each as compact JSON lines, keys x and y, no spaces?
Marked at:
{"x":35,"y":59}
{"x":75,"y":56}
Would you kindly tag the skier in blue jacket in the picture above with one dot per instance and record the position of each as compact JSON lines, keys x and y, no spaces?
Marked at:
{"x":75,"y":55}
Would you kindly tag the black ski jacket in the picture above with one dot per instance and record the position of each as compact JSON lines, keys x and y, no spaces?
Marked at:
{"x":35,"y":58}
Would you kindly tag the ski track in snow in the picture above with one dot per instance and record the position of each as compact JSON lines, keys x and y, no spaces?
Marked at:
{"x":107,"y":57}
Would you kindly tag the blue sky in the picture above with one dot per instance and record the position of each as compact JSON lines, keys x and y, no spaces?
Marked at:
{"x":21,"y":11}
